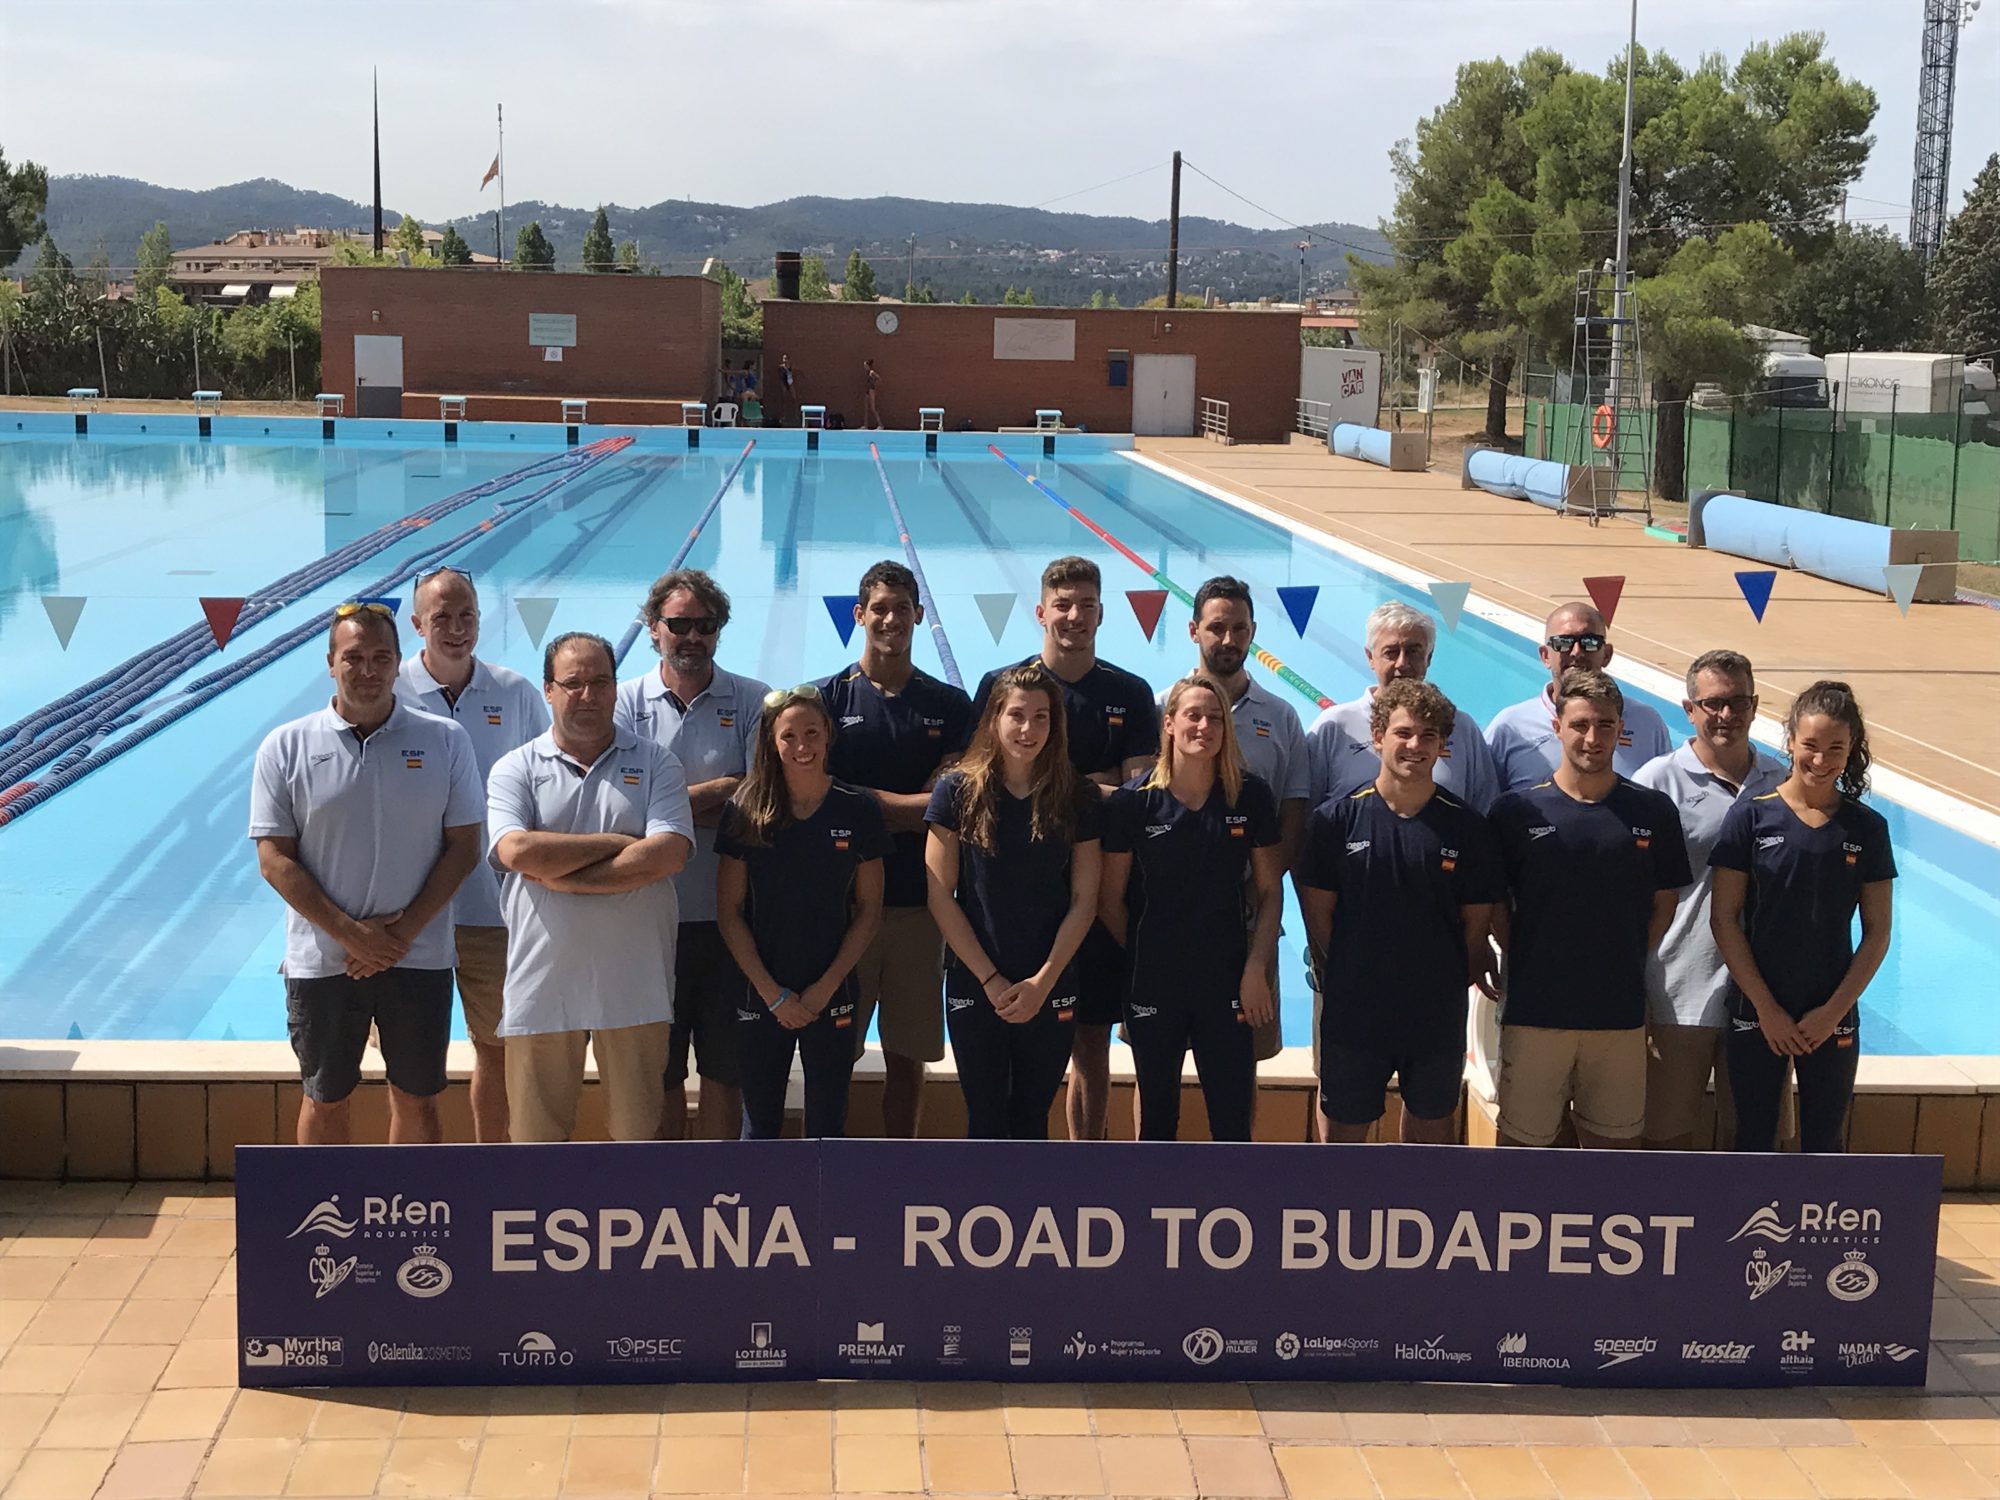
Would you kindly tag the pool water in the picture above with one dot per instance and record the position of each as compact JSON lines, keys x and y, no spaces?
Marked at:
{"x":133,"y":907}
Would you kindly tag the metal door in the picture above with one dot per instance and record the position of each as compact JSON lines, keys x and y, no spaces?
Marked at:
{"x":1163,"y":395}
{"x":378,"y":375}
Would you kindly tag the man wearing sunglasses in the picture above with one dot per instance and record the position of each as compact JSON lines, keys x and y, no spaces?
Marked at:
{"x":896,"y":728}
{"x":708,"y":717}
{"x":367,"y":816}
{"x":501,"y":710}
{"x":1523,"y":737}
{"x":1687,"y":985}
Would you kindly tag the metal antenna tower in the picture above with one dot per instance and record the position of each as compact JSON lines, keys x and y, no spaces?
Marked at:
{"x":1936,"y":73}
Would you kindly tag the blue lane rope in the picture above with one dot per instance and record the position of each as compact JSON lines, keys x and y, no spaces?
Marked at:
{"x":923,"y":584}
{"x":633,"y":631}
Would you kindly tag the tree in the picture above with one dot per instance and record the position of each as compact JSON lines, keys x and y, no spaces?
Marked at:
{"x":24,"y":197}
{"x":858,"y":283}
{"x":914,"y":293}
{"x":1181,"y":299}
{"x":1965,"y":275}
{"x":1097,"y":298}
{"x":628,"y":257}
{"x":1692,"y":314}
{"x":1014,"y":297}
{"x":742,"y":318}
{"x":1862,"y":289}
{"x":53,"y":273}
{"x":532,"y":250}
{"x":597,"y":252}
{"x":968,"y":300}
{"x":453,"y":250}
{"x":408,"y":237}
{"x":813,"y":286}
{"x":155,"y":262}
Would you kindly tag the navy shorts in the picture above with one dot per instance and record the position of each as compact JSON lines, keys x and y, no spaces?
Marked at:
{"x":329,"y":1019}
{"x":1354,"y":1081}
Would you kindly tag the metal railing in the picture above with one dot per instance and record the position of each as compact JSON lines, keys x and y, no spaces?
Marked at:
{"x":1312,"y":418}
{"x":1214,"y":418}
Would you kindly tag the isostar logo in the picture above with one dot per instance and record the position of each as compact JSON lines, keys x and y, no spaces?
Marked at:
{"x":1696,"y":1352}
{"x":316,"y":1353}
{"x":535,"y":1350}
{"x":1432,"y":1351}
{"x":1624,"y":1351}
{"x":1513,"y":1351}
{"x":394,"y":1217}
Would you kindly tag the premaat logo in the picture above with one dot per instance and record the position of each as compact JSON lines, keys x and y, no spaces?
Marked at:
{"x":1764,"y":1224}
{"x":326,"y":1219}
{"x":1203,"y":1346}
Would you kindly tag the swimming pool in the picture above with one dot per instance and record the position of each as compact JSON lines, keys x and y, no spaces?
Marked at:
{"x":133,"y":908}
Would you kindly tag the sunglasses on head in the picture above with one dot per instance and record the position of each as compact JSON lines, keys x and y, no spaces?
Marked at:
{"x":699,"y":624}
{"x":1562,"y":645}
{"x":777,"y":698}
{"x":354,"y":607}
{"x":439,"y":572}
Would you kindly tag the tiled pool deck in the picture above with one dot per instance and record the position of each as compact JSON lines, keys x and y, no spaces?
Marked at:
{"x":118,"y":1362}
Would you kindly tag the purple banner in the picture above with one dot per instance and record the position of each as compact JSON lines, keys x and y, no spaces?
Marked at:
{"x":467,"y":1265}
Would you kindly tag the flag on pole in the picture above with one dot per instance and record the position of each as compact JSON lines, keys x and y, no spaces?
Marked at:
{"x":491,"y":173}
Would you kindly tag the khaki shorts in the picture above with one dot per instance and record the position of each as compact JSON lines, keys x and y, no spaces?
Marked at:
{"x":545,"y":1080}
{"x":902,"y":975}
{"x":1545,"y":1069}
{"x":1680,"y":1060}
{"x":482,"y":967}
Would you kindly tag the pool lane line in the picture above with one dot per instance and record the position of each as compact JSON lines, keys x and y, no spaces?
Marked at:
{"x":632,"y":631}
{"x":924,"y":598}
{"x":26,"y":795}
{"x":1263,"y":658}
{"x":89,"y":711}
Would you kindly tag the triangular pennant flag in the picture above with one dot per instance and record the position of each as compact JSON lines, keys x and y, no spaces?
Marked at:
{"x":1450,"y":600}
{"x":229,"y":1032}
{"x":1604,"y":593}
{"x":840,"y":609}
{"x":535,"y":614}
{"x":75,"y":1033}
{"x":1901,"y":578}
{"x":1299,"y":600}
{"x":1147,"y":604}
{"x":994,"y":610}
{"x":1757,"y":591}
{"x":222,"y":615}
{"x":62,"y":611}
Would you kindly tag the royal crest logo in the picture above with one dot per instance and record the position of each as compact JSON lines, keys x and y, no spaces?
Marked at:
{"x":1853,"y":1280}
{"x":424,"y":1274}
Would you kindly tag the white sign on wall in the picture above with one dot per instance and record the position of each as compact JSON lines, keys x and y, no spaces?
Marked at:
{"x":1034,"y":338}
{"x":552,"y":329}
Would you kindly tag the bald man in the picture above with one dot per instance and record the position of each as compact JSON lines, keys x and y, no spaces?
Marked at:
{"x":1523,"y":736}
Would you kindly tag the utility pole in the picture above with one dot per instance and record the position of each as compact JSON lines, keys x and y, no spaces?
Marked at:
{"x":376,"y":90}
{"x":1304,"y":245}
{"x":1174,"y":239}
{"x":1621,"y":268}
{"x":910,"y":280}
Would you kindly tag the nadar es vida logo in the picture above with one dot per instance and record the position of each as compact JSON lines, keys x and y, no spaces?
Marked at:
{"x":378,"y":1216}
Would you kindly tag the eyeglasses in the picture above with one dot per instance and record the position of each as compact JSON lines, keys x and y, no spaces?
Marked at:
{"x":777,"y":698}
{"x":576,"y":687}
{"x":1738,"y":704}
{"x":354,"y":607}
{"x":1562,"y":645}
{"x":699,"y":624}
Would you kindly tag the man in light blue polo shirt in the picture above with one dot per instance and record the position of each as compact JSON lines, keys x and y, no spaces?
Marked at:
{"x":1687,"y":984}
{"x":367,"y":817}
{"x":1340,"y":746}
{"x":1522,"y":736}
{"x":590,"y":821}
{"x":708,"y":718}
{"x":1224,"y":631}
{"x":501,"y":710}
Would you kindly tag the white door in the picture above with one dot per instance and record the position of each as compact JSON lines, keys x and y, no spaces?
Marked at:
{"x":378,"y":375}
{"x":1163,"y":395}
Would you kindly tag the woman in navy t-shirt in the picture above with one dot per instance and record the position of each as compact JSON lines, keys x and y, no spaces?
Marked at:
{"x":798,"y":895}
{"x":1791,"y":868}
{"x":1013,"y":862}
{"x":1178,"y":844}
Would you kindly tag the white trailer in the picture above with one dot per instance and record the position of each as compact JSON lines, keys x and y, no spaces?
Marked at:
{"x":1902,"y":383}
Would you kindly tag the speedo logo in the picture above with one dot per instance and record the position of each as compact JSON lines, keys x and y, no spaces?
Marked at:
{"x":1355,"y":846}
{"x":1770,"y":840}
{"x":1154,"y":830}
{"x":848,"y":721}
{"x":1543,"y":832}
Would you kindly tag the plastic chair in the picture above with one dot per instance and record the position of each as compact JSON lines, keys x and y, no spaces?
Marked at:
{"x":724,"y":414}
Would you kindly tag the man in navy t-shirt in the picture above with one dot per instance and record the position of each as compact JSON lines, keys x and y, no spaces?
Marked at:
{"x":1594,"y":863}
{"x":895,"y":728}
{"x":1398,"y":881}
{"x":1113,"y":726}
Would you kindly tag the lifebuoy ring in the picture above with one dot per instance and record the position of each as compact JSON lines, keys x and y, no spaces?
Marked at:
{"x":1600,"y":427}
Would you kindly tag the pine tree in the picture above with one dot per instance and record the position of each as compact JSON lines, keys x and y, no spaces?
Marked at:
{"x":453,"y":250}
{"x":408,"y":237}
{"x":53,"y":273}
{"x":156,"y":260}
{"x":968,"y":300}
{"x":597,"y":244}
{"x":1964,"y":281}
{"x":858,"y":285}
{"x":532,"y":250}
{"x":813,"y":286}
{"x":628,"y":257}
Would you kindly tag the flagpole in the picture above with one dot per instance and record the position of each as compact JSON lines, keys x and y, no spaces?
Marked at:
{"x":500,"y":217}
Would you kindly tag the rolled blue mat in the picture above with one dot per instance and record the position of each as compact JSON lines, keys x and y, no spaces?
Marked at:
{"x":1836,"y":547}
{"x":1349,"y":440}
{"x":1516,"y":477}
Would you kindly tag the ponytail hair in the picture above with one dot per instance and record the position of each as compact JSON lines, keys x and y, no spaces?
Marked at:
{"x":1836,"y":701}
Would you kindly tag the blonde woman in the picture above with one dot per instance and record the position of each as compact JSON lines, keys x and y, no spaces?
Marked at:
{"x":798,"y":896}
{"x":1178,"y":844}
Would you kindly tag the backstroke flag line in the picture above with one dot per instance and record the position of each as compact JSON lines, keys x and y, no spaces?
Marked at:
{"x":1450,"y":600}
{"x":63,"y":609}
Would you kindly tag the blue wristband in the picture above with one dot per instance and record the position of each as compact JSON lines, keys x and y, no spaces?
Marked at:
{"x":783,"y":996}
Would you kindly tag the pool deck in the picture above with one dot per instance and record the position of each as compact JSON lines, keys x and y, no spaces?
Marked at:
{"x":118,"y":1345}
{"x":1930,"y":682}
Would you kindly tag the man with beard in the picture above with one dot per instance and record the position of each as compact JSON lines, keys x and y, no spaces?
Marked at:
{"x":708,"y":717}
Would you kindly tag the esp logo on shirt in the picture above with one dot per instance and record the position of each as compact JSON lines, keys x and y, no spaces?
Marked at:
{"x":1114,"y":714}
{"x":1624,"y":739}
{"x":632,"y":774}
{"x":1235,"y":823}
{"x":1853,"y":853}
{"x":1447,"y":859}
{"x":726,"y":717}
{"x":493,"y":712}
{"x":1643,"y":837}
{"x":841,"y":837}
{"x":1262,"y":726}
{"x":414,"y":759}
{"x":934,"y":728}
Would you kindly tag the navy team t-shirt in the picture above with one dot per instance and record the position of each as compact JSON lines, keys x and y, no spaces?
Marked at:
{"x":1109,"y":714}
{"x":1805,"y":886}
{"x":1395,"y":973}
{"x":1187,"y":941}
{"x":895,"y":744}
{"x":801,"y":884}
{"x":1583,"y":877}
{"x":1016,"y":894}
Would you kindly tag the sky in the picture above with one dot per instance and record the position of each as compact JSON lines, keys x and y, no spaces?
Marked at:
{"x":1077,"y":104}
